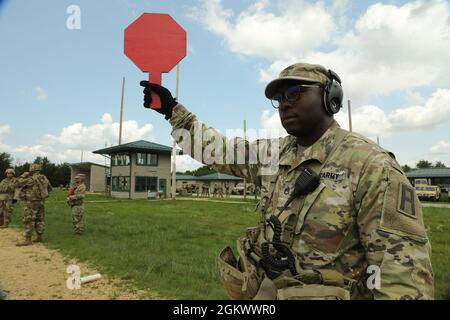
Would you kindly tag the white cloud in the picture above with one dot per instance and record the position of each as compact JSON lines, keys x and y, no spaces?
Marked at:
{"x":80,"y":136}
{"x":185,"y":162}
{"x":368,"y":120}
{"x":388,"y":49}
{"x":77,"y":138}
{"x":372,"y":122}
{"x":442,"y":147}
{"x":435,"y":111}
{"x":4,"y":131}
{"x":31,"y":152}
{"x":74,"y":155}
{"x":259,"y":30}
{"x":41,"y":94}
{"x":271,"y":123}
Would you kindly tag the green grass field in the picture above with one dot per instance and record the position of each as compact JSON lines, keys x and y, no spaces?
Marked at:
{"x":171,"y":247}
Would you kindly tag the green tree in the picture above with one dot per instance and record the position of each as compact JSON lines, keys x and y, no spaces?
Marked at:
{"x":439,"y":164}
{"x":203,"y":171}
{"x":424,"y":164}
{"x":5,"y":162}
{"x":21,"y":168}
{"x":406,"y":168}
{"x":62,"y":174}
{"x":57,"y":174}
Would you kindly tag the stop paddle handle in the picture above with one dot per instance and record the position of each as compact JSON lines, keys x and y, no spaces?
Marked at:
{"x":155,"y":77}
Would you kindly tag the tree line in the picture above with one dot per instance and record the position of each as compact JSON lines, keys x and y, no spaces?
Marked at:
{"x":424,"y":164}
{"x":57,"y":174}
{"x":199,"y":172}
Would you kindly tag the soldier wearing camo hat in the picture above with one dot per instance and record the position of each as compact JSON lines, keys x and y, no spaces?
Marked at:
{"x":75,"y":199}
{"x":7,"y":188}
{"x":338,"y":220}
{"x":35,"y":189}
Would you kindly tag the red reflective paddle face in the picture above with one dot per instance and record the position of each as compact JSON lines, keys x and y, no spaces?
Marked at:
{"x":155,"y":43}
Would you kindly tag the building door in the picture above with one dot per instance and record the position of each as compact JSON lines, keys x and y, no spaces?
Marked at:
{"x":163,"y":186}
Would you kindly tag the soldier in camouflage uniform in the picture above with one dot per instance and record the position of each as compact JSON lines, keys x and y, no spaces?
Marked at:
{"x":35,"y":189}
{"x":358,"y":234}
{"x":7,"y":188}
{"x":75,"y":201}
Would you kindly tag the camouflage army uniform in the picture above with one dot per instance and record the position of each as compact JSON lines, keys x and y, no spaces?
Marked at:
{"x":364,"y":212}
{"x":35,"y":189}
{"x":76,"y":203}
{"x":7,"y":188}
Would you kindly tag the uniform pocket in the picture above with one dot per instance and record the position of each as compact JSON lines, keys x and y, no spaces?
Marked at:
{"x":325,"y":220}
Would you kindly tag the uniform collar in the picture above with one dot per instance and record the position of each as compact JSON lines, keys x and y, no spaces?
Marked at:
{"x":319,"y":150}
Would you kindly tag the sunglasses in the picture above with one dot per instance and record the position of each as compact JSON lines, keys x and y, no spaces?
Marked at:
{"x":291,"y":94}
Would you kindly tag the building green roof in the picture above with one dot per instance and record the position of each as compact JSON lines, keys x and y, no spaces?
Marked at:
{"x":137,"y":146}
{"x":185,"y":177}
{"x":209,"y":177}
{"x":219,"y":176}
{"x":429,"y":173}
{"x":86,"y":165}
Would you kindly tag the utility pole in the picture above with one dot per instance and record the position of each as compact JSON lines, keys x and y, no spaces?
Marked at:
{"x":245,"y":155}
{"x":350,"y":115}
{"x":174,"y":144}
{"x":121,"y":110}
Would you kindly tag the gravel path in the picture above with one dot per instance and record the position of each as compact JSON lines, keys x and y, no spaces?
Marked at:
{"x":38,"y":273}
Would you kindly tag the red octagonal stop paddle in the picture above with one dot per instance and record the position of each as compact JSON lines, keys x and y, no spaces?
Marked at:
{"x":155,"y":42}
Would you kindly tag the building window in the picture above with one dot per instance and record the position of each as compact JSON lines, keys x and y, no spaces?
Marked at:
{"x":120,"y":183}
{"x":144,"y":184}
{"x":121,"y":159}
{"x":146,"y":159}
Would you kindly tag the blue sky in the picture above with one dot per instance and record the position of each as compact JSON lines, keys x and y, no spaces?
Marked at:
{"x":60,"y":88}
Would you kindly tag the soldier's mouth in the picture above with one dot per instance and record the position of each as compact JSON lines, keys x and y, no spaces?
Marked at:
{"x":288,"y":118}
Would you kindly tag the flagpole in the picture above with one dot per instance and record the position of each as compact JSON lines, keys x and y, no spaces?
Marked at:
{"x":121,"y":110}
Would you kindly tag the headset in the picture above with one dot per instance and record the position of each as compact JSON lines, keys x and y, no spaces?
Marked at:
{"x":333,"y":93}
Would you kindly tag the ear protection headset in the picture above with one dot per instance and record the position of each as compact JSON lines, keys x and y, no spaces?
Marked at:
{"x":333,"y":93}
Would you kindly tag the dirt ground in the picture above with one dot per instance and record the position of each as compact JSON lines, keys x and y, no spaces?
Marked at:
{"x":38,"y":273}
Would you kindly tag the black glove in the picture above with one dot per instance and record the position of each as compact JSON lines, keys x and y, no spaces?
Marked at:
{"x":167,"y":100}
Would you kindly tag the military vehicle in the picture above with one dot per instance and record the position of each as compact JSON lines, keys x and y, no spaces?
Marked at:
{"x":239,"y":188}
{"x":427,"y":192}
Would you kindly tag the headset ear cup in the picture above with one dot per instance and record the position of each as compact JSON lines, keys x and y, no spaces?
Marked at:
{"x":333,"y":96}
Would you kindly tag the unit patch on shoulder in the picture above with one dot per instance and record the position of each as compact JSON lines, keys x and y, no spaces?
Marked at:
{"x":405,"y":203}
{"x":402,"y":213}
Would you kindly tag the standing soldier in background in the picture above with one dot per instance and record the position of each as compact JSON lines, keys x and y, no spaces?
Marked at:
{"x":35,"y":189}
{"x":75,"y":200}
{"x":227,"y":190}
{"x":7,"y":187}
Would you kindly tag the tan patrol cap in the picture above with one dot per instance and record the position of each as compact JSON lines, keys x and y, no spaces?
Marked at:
{"x":80,"y":175}
{"x":35,"y":167}
{"x":313,"y":73}
{"x":10,"y":170}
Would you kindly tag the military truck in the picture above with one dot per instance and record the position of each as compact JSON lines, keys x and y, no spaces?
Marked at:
{"x":422,"y":182}
{"x":239,"y":188}
{"x":426,"y":191}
